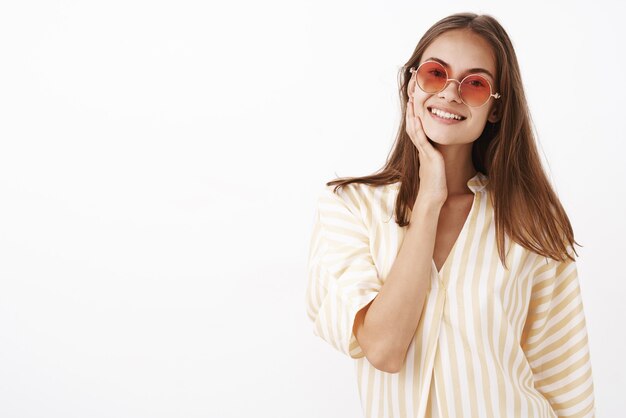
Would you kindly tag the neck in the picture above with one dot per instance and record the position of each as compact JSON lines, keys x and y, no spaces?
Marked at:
{"x":459,"y":167}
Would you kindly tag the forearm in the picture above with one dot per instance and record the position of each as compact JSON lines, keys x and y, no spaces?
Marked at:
{"x":387,"y":325}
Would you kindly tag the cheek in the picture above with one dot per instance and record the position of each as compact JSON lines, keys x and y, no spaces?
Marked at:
{"x":419,"y":104}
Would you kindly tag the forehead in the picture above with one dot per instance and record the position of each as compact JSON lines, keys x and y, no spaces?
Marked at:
{"x":462,"y":50}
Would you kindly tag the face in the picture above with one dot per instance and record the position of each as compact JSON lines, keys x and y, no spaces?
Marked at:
{"x":461,"y":50}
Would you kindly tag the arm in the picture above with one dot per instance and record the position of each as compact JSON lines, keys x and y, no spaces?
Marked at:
{"x":342,"y":276}
{"x":555,"y":340}
{"x":343,"y":280}
{"x":386,"y":327}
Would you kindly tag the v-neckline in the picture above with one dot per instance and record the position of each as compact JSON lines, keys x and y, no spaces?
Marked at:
{"x":458,"y":238}
{"x":476,"y":184}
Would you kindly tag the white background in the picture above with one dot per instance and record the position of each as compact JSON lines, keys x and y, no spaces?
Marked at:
{"x":159,"y":163}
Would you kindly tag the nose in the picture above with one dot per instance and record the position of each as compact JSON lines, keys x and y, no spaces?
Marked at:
{"x":451,"y":90}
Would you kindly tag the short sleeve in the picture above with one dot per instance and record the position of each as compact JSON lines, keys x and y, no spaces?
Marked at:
{"x":342,"y":277}
{"x":555,"y":339}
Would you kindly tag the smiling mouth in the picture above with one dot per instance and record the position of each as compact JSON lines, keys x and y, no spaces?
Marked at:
{"x":444,"y":118}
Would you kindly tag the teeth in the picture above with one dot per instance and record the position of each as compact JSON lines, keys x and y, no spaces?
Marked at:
{"x":445,"y":115}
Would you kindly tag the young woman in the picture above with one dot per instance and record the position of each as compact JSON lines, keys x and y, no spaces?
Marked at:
{"x":468,"y":303}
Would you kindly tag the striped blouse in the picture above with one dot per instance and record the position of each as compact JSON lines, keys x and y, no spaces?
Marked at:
{"x":490,"y":342}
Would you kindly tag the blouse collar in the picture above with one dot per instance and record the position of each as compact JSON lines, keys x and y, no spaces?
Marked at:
{"x":478,"y":182}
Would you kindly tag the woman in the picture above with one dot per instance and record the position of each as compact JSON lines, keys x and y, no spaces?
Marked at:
{"x":439,"y":319}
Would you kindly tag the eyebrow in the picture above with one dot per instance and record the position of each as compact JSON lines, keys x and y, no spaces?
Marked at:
{"x":471,"y":70}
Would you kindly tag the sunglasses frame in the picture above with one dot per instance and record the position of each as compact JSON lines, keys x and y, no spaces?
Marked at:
{"x":491,"y":94}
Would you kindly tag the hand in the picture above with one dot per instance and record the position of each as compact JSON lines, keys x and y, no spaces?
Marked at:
{"x":432,"y":171}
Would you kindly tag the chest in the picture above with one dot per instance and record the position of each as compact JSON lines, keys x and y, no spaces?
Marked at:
{"x":452,"y":218}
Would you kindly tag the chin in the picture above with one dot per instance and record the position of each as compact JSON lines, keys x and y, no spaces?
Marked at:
{"x":441,"y":137}
{"x":447,"y":140}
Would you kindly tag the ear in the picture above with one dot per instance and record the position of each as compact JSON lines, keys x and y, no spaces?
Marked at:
{"x":410,"y":90}
{"x":494,"y":115}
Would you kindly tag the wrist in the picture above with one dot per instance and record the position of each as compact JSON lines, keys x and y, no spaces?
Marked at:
{"x":426,"y":207}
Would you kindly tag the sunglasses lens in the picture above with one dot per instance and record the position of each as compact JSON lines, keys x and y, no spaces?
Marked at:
{"x":432,"y":78}
{"x":475,"y":90}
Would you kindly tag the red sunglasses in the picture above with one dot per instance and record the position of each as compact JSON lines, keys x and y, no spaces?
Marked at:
{"x":474,"y":90}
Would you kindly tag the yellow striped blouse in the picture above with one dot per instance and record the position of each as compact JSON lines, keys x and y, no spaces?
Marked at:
{"x":490,"y":342}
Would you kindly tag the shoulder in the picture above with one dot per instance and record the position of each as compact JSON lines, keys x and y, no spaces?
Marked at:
{"x":358,"y":196}
{"x":548,"y":264}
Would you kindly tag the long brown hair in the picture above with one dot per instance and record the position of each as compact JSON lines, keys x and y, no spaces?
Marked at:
{"x":526,"y":207}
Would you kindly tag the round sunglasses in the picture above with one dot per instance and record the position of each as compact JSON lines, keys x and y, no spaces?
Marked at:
{"x":474,"y":90}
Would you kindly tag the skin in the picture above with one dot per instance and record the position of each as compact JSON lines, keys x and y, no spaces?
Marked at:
{"x":446,"y":163}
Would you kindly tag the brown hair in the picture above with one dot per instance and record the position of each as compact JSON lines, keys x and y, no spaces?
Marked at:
{"x":525,"y":205}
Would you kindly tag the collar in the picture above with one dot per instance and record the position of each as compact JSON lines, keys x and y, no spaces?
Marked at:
{"x":478,"y":182}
